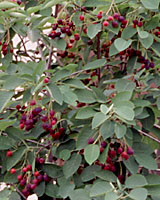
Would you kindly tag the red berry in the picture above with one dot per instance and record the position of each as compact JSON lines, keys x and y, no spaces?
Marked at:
{"x":106,"y":167}
{"x":9,"y":153}
{"x":41,"y":160}
{"x":76,"y":36}
{"x":12,"y":171}
{"x":19,"y":177}
{"x":105,"y":23}
{"x":119,"y":150}
{"x":11,"y":50}
{"x":71,"y":40}
{"x":21,"y":126}
{"x":140,"y":24}
{"x":99,"y":16}
{"x":52,"y":113}
{"x":53,"y":122}
{"x":130,"y":151}
{"x":81,"y":17}
{"x":114,"y":24}
{"x":46,"y":80}
{"x":36,"y":174}
{"x":110,"y":18}
{"x":90,"y":141}
{"x":112,"y":153}
{"x":24,"y":169}
{"x":125,"y":155}
{"x":85,"y":30}
{"x":19,"y":2}
{"x":23,"y":182}
{"x":32,"y":102}
{"x":33,"y":186}
{"x":61,"y":130}
{"x":35,"y":181}
{"x":29,"y":167}
{"x":116,"y":15}
{"x":101,"y":149}
{"x":18,"y":106}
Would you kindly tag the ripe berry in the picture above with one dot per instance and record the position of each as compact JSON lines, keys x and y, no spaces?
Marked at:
{"x":52,"y":113}
{"x":35,"y":181}
{"x":54,"y":27}
{"x":29,"y":167}
{"x":103,"y":144}
{"x":19,"y":177}
{"x":46,"y":178}
{"x":33,"y":186}
{"x":101,"y":149}
{"x":19,"y":2}
{"x":140,"y":24}
{"x":23,"y":182}
{"x":12,"y":171}
{"x":81,"y":17}
{"x":121,"y":18}
{"x":130,"y":151}
{"x":71,"y":40}
{"x":116,"y":15}
{"x":63,"y":29}
{"x":25,"y":192}
{"x":110,"y":18}
{"x":125,"y":155}
{"x":90,"y":141}
{"x":105,"y":23}
{"x":151,"y":65}
{"x":24,"y":169}
{"x":40,"y":178}
{"x":9,"y":153}
{"x":46,"y":80}
{"x":53,"y":122}
{"x":11,"y":50}
{"x":135,"y":22}
{"x":76,"y":36}
{"x":44,"y":118}
{"x":32,"y":102}
{"x":90,"y":42}
{"x":18,"y":106}
{"x":41,"y":160}
{"x":61,"y":130}
{"x":114,"y":24}
{"x":121,"y":178}
{"x":60,"y":21}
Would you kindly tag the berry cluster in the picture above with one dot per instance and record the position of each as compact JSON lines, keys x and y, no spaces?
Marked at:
{"x":137,"y":23}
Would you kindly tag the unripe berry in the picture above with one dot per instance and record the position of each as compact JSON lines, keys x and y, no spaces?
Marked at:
{"x":9,"y":153}
{"x":105,"y":23}
{"x":81,"y":17}
{"x":125,"y":155}
{"x":24,"y":169}
{"x":46,"y":80}
{"x":21,"y":126}
{"x":12,"y":171}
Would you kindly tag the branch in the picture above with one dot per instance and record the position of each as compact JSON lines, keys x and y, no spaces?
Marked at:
{"x":98,"y":55}
{"x":151,"y":137}
{"x":58,"y":60}
{"x":34,"y":142}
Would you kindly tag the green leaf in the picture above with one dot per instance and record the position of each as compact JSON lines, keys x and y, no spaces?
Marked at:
{"x":51,"y":190}
{"x":40,"y":189}
{"x":112,"y":50}
{"x":66,"y":187}
{"x":91,"y":153}
{"x":4,"y":194}
{"x":59,"y":44}
{"x":55,"y":93}
{"x":98,"y":119}
{"x":85,"y":96}
{"x":95,"y":64}
{"x":147,"y":42}
{"x":128,"y":32}
{"x":89,"y":172}
{"x":34,"y":9}
{"x":103,"y":155}
{"x":16,"y":157}
{"x":93,"y":29}
{"x":100,"y":188}
{"x":5,"y":97}
{"x":111,"y":196}
{"x":65,"y":154}
{"x":152,"y":23}
{"x":125,"y":112}
{"x":85,"y":113}
{"x":121,"y":44}
{"x":107,"y":129}
{"x":17,"y":14}
{"x":60,"y":74}
{"x":106,"y":175}
{"x":122,"y":96}
{"x":143,"y":34}
{"x":158,"y":103}
{"x":79,"y":194}
{"x":52,"y":170}
{"x":104,"y":109}
{"x":14,"y":196}
{"x":71,"y":165}
{"x":4,"y":124}
{"x":7,"y":4}
{"x":151,"y":5}
{"x":75,"y":83}
{"x":51,"y":3}
{"x":11,"y":178}
{"x":131,"y":165}
{"x":132,"y":64}
{"x":120,"y":130}
{"x":99,"y":94}
{"x":83,"y":136}
{"x":146,"y":161}
{"x":33,"y":34}
{"x":5,"y":142}
{"x":138,"y":194}
{"x":123,"y":85}
{"x":124,"y":103}
{"x":136,"y":180}
{"x":68,"y":95}
{"x":39,"y":69}
{"x":12,"y":82}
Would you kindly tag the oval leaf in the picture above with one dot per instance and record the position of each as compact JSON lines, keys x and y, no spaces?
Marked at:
{"x":91,"y":153}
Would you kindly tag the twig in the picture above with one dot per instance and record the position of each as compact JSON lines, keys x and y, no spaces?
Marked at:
{"x":146,"y":134}
{"x":21,"y":194}
{"x":34,"y":142}
{"x":58,"y":60}
{"x":40,"y":50}
{"x":156,"y":126}
{"x":49,"y":58}
{"x":110,"y":8}
{"x":98,"y":55}
{"x":25,"y":48}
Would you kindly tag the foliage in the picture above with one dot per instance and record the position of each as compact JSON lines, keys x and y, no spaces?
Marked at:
{"x":80,"y":114}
